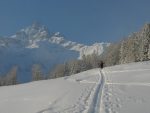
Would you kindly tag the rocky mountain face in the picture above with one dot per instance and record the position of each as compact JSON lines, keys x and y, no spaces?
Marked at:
{"x":35,"y":45}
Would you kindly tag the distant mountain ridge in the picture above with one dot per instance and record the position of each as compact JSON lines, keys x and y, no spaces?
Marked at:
{"x":35,"y":45}
{"x":98,"y":48}
{"x":32,"y":35}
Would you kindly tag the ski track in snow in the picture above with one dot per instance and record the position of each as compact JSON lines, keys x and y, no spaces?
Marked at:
{"x":89,"y":102}
{"x":92,"y":101}
{"x":95,"y":105}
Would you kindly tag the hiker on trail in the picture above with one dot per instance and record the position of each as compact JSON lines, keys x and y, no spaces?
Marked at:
{"x":101,"y":64}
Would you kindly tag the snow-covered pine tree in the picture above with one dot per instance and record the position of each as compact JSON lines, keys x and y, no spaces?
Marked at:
{"x":145,"y":41}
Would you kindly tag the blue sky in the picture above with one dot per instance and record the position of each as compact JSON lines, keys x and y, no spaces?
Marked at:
{"x":84,"y":21}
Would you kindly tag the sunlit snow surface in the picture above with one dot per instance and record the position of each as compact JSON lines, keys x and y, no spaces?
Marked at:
{"x":127,"y":89}
{"x":117,"y":89}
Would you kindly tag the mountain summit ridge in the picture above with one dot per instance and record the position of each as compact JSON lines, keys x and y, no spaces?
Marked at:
{"x":35,"y":45}
{"x":31,"y":36}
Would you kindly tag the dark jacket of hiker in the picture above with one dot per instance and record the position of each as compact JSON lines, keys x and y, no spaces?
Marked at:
{"x":101,"y":64}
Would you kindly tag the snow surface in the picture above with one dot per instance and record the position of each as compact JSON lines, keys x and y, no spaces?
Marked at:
{"x":117,"y":89}
{"x":127,"y":88}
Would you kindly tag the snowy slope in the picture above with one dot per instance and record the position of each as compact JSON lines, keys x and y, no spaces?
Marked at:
{"x":127,"y":88}
{"x":117,"y":89}
{"x":62,"y":95}
{"x":35,"y":45}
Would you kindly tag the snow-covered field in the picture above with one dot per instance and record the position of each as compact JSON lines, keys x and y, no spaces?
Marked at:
{"x":127,"y":89}
{"x":117,"y":89}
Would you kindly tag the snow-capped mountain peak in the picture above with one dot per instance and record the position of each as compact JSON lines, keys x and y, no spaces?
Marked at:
{"x":35,"y":45}
{"x":32,"y":36}
{"x":35,"y":31}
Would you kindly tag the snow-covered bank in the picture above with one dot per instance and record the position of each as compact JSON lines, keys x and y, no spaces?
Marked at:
{"x":117,"y":89}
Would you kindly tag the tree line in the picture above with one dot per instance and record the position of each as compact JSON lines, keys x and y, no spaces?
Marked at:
{"x":67,"y":68}
{"x":135,"y":48}
{"x":75,"y":66}
{"x":10,"y":78}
